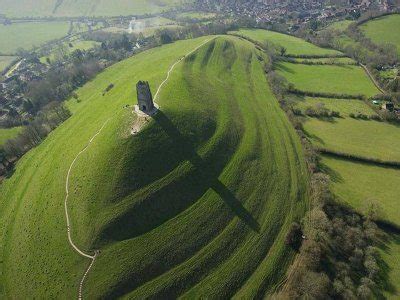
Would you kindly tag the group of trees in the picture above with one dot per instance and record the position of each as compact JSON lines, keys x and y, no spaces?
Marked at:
{"x":35,"y":131}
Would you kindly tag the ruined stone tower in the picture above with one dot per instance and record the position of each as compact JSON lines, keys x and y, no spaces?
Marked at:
{"x":144,"y":97}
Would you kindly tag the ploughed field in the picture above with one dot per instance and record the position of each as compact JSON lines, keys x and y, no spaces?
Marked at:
{"x":197,"y":204}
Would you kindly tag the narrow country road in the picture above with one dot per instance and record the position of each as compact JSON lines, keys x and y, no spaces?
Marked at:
{"x":92,"y":257}
{"x":373,"y":79}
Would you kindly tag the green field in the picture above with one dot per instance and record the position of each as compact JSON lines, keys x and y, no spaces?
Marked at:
{"x":81,"y":45}
{"x":340,"y":25}
{"x":359,"y":184}
{"x":8,"y":133}
{"x":38,"y":8}
{"x":344,"y":106}
{"x":293,"y":45}
{"x":368,"y":139}
{"x":5,"y":61}
{"x":350,"y":80}
{"x":197,"y":204}
{"x":29,"y":34}
{"x":384,"y":30}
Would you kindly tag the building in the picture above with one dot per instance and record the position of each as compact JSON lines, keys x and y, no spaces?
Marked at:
{"x":144,"y":97}
{"x":388,"y":106}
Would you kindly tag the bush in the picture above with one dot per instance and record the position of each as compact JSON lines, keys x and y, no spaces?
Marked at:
{"x":294,"y":237}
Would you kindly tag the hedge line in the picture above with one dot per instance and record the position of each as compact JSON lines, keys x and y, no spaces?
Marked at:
{"x":320,"y":63}
{"x":325,"y":95}
{"x":339,"y":55}
{"x":357,"y":158}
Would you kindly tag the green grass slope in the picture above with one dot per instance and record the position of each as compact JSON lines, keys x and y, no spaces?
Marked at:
{"x":384,"y":30}
{"x":350,"y":80}
{"x":27,"y":35}
{"x":198,"y":203}
{"x":293,"y":45}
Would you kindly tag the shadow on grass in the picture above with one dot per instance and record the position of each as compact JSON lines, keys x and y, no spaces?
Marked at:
{"x":335,"y":176}
{"x":313,"y":137}
{"x":205,"y":172}
{"x":155,"y":205}
{"x":384,"y":280}
{"x":280,"y":67}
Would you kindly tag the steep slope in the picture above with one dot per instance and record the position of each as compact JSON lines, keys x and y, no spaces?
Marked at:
{"x":198,"y":203}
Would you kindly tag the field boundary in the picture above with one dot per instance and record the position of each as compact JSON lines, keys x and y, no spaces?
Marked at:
{"x":373,"y":79}
{"x":357,"y":158}
{"x":326,"y":95}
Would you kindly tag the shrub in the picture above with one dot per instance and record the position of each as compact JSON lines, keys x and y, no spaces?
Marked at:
{"x":294,"y":237}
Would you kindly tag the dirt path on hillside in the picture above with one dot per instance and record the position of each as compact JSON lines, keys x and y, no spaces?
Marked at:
{"x":373,"y":79}
{"x":79,"y":251}
{"x":96,"y":252}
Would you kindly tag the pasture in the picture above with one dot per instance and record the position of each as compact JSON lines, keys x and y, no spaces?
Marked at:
{"x":293,"y":45}
{"x":5,"y":61}
{"x":8,"y":133}
{"x":368,"y":139}
{"x":29,"y":34}
{"x":360,"y":184}
{"x":206,"y":216}
{"x":344,"y":106}
{"x":350,"y":80}
{"x":384,"y":30}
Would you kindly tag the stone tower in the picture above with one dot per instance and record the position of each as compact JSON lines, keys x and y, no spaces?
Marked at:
{"x":144,"y":97}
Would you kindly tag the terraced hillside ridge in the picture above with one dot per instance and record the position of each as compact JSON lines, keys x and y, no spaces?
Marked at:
{"x":384,"y":30}
{"x":72,"y":8}
{"x":294,"y":46}
{"x":198,"y":203}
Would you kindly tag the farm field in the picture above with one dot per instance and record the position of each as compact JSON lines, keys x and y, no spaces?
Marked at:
{"x":71,"y":8}
{"x":359,"y":184}
{"x":8,"y":133}
{"x":27,"y":35}
{"x":350,"y":80}
{"x":5,"y":61}
{"x":368,"y":139}
{"x":78,"y":44}
{"x":383,"y":30}
{"x":293,"y":45}
{"x":340,"y":25}
{"x":344,"y":106}
{"x":234,"y":173}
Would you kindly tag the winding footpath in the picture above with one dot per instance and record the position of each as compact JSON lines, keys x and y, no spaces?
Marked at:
{"x":79,"y":251}
{"x":71,"y":242}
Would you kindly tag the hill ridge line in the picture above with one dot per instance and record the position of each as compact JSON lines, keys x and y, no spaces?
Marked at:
{"x":76,"y":248}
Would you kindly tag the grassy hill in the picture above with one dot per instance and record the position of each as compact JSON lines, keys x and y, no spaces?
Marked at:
{"x":383,"y":30}
{"x":5,"y":61}
{"x":198,"y":203}
{"x":70,"y":8}
{"x":27,"y":35}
